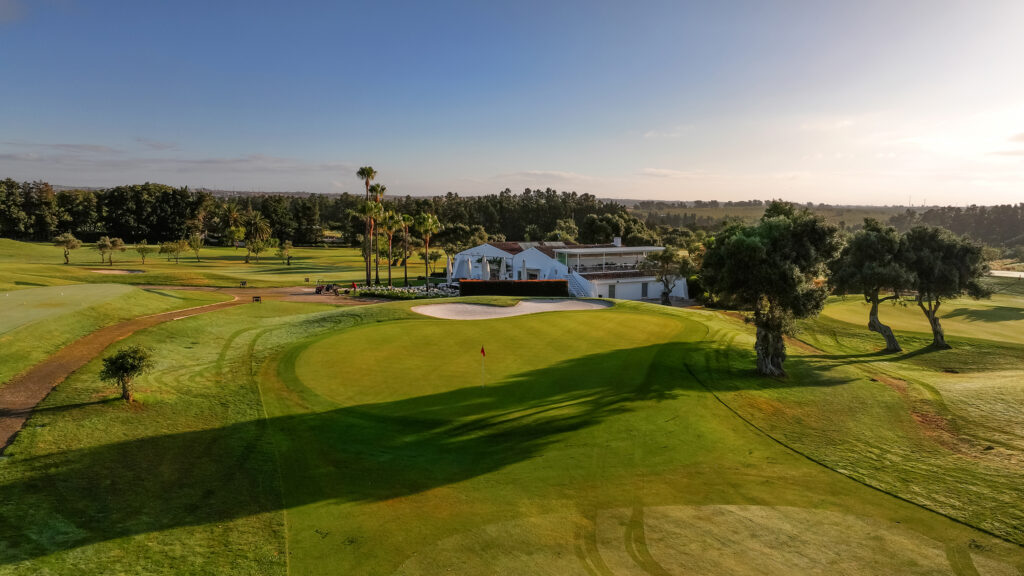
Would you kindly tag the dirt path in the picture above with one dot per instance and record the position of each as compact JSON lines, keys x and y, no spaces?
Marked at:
{"x":19,"y":396}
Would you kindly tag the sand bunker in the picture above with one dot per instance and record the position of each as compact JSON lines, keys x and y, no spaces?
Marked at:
{"x":462,"y":311}
{"x":117,"y":271}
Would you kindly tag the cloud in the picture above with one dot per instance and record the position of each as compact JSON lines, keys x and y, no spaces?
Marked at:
{"x":1009,"y":153}
{"x":86,"y":148}
{"x":668,"y":173}
{"x":671,"y":133}
{"x":543,"y":174}
{"x":70,"y":155}
{"x":156,"y":144}
{"x":1017,"y":138}
{"x":64,"y":147}
{"x":11,"y":11}
{"x":827,"y":124}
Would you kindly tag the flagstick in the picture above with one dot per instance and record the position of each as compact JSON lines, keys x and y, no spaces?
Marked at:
{"x":482,"y":360}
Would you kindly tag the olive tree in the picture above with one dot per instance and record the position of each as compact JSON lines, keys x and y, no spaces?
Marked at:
{"x":775,"y":269}
{"x":870,"y":264}
{"x":123,"y":366}
{"x":144,"y":249}
{"x":667,"y":267}
{"x":944,"y":266}
{"x":116,"y":245}
{"x":195,"y":243}
{"x":68,"y":242}
{"x":103,"y":246}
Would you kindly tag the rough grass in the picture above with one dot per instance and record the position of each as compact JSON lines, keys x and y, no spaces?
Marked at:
{"x":39,"y":321}
{"x":285,"y":437}
{"x":24,"y":264}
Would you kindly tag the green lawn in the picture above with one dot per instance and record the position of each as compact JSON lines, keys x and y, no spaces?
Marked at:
{"x":25,"y":264}
{"x":37,"y":322}
{"x":295,"y":438}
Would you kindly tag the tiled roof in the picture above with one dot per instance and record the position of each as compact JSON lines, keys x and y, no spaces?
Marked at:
{"x":510,"y":247}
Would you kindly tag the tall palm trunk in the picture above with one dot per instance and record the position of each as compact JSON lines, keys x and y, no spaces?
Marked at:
{"x":367,"y":241}
{"x":426,"y":259}
{"x":405,"y":255}
{"x":376,"y":256}
{"x":391,"y":238}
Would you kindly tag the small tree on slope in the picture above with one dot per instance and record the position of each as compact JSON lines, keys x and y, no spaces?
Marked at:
{"x":68,"y":242}
{"x":124,"y":366}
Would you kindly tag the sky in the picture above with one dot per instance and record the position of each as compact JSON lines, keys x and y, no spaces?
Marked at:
{"x":867,"y":102}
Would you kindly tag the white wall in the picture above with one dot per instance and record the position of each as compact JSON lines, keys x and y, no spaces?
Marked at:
{"x":632,"y":289}
{"x":532,"y":258}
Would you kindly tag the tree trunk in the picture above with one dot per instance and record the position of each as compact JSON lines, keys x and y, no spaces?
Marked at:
{"x":426,"y":260}
{"x":66,"y":254}
{"x":390,"y":238}
{"x":938,"y":334}
{"x":405,"y":258}
{"x":665,"y":299}
{"x":376,"y":256}
{"x":289,"y":260}
{"x":891,"y":345}
{"x":126,"y":392}
{"x":771,"y":352}
{"x":366,"y":245}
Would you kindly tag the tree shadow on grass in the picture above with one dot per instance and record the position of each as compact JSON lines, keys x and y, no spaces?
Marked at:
{"x":370,"y":452}
{"x":989,"y":314}
{"x":59,"y":408}
{"x":868,"y":357}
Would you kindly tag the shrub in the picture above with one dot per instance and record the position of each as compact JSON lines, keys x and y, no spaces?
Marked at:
{"x":554,"y":288}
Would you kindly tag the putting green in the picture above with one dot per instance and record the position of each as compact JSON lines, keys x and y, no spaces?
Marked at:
{"x":414,"y":467}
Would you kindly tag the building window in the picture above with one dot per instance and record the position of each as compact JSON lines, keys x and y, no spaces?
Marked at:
{"x":643,"y":290}
{"x":611,"y":290}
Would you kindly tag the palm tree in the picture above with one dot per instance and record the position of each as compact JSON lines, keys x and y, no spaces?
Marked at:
{"x":370,"y":212}
{"x":427,"y":225}
{"x":407,"y":222}
{"x":366,"y":174}
{"x":231,"y":223}
{"x":377,"y":191}
{"x":257,"y":229}
{"x":390,"y":222}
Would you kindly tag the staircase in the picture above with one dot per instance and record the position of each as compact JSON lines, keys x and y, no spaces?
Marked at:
{"x":579,"y":286}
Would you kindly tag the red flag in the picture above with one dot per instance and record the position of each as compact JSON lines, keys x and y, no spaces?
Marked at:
{"x":482,"y":353}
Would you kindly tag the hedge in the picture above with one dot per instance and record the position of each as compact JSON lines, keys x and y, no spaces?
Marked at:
{"x":554,"y":288}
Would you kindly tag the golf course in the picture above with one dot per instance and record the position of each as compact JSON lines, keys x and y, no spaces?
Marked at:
{"x":616,"y":438}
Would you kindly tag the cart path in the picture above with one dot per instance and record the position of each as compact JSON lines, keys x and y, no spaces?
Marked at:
{"x":21,"y":395}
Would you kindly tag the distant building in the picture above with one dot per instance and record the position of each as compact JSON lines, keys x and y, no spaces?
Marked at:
{"x":593,"y":270}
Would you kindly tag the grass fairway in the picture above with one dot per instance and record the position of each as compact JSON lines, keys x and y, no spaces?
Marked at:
{"x":39,"y":321}
{"x":362,"y":441}
{"x":24,"y":264}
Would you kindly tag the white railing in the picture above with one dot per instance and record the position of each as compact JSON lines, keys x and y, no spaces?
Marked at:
{"x":580,"y":286}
